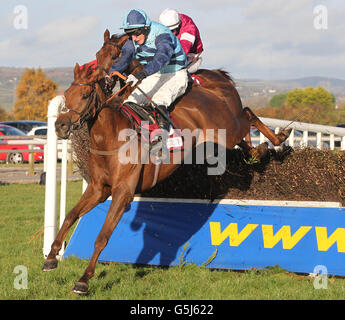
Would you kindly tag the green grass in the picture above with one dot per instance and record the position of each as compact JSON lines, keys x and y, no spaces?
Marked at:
{"x":22,"y":219}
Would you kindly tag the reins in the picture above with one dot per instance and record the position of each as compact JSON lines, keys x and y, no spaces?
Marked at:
{"x":91,"y":110}
{"x":115,"y":73}
{"x":88,"y":113}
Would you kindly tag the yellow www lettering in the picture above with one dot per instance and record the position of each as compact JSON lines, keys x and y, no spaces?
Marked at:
{"x":324,"y":242}
{"x":284,"y":234}
{"x":231,"y":231}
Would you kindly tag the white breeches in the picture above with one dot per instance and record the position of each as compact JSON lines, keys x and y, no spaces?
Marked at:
{"x":163,"y":88}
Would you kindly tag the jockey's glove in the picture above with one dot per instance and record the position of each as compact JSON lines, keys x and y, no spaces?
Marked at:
{"x":134,"y":78}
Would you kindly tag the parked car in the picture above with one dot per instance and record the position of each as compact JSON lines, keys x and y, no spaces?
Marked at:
{"x":38,"y":131}
{"x":42,"y":131}
{"x":24,"y":125}
{"x":17,"y":156}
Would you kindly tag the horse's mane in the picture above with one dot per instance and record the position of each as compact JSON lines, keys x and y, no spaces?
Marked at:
{"x":226,"y":75}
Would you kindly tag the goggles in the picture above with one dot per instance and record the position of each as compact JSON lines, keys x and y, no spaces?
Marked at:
{"x":134,"y":32}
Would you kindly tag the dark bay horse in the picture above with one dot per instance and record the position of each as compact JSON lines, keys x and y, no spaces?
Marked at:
{"x":218,"y":81}
{"x":85,"y":102}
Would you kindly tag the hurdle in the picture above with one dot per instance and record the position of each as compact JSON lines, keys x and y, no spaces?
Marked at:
{"x":50,"y":156}
{"x":220,"y":228}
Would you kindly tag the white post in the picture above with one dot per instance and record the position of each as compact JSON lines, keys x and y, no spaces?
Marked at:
{"x":63,"y":189}
{"x":331,"y":141}
{"x":45,"y":148}
{"x":292,"y":138}
{"x":305,"y":139}
{"x":319,"y":140}
{"x":50,"y":217}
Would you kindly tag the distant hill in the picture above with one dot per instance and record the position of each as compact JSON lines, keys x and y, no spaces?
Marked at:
{"x":255,"y":93}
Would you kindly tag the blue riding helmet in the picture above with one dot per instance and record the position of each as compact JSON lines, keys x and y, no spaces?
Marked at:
{"x":136,"y":18}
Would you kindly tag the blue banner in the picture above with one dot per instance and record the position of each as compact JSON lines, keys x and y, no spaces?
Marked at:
{"x":236,"y":236}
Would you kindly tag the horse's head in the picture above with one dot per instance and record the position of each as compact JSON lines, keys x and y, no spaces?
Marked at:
{"x":111,"y":50}
{"x":83,"y":99}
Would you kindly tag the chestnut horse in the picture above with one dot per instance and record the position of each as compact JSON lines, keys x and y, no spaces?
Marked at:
{"x":218,"y":81}
{"x":86,"y":102}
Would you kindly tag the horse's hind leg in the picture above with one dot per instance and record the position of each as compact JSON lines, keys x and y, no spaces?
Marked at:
{"x":276,"y":139}
{"x":259,"y":152}
{"x":248,"y":139}
{"x":91,"y":197}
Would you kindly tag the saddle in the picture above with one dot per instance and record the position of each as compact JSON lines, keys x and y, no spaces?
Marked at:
{"x":144,"y":121}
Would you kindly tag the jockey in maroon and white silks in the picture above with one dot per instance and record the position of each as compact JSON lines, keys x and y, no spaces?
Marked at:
{"x":188,"y":33}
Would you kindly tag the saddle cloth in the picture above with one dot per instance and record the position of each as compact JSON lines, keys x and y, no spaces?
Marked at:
{"x":144,"y":122}
{"x":196,"y":79}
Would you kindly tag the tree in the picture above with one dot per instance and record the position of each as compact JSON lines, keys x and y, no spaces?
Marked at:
{"x":5,"y":115}
{"x":312,"y":105}
{"x":33,"y":93}
{"x":310,"y":96}
{"x":278,"y":100}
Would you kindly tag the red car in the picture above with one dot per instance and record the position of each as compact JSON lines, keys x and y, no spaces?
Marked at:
{"x":17,"y":156}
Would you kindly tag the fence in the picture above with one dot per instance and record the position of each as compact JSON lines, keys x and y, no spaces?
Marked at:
{"x":299,"y":136}
{"x":15,"y":143}
{"x":306,"y":134}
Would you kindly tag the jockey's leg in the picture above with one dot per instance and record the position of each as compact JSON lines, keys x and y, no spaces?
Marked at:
{"x":171,"y":86}
{"x":149,"y":85}
{"x":163,"y":89}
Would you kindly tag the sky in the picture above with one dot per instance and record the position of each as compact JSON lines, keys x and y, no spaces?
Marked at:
{"x":259,"y":39}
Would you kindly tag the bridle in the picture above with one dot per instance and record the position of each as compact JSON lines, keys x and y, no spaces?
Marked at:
{"x":93,"y":106}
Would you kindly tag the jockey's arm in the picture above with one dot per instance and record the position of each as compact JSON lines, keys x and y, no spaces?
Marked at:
{"x":165,"y":50}
{"x":187,"y":38}
{"x":126,"y":58}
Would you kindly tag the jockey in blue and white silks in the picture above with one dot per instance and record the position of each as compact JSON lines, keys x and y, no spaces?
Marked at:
{"x":162,"y":55}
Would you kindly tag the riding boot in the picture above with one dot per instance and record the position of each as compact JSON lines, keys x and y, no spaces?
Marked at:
{"x":162,"y":119}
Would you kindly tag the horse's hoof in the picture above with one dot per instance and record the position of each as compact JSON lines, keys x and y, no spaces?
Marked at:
{"x":259,"y":152}
{"x":80,"y":288}
{"x":284,"y":134}
{"x":262,"y":149}
{"x":49,"y":265}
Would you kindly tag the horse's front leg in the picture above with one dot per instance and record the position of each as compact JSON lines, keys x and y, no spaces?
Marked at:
{"x":122,"y":195}
{"x":93,"y":195}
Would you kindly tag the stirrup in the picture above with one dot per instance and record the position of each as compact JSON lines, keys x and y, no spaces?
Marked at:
{"x":159,"y":151}
{"x":162,"y":121}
